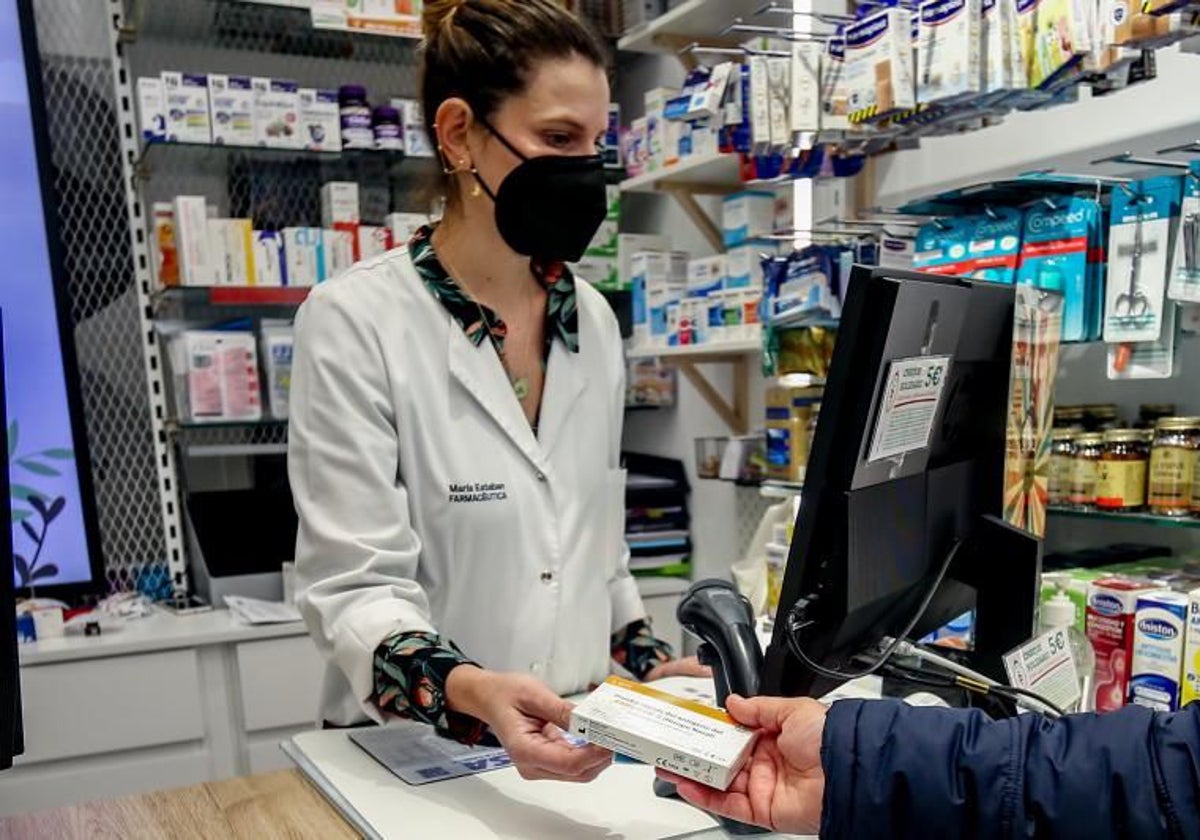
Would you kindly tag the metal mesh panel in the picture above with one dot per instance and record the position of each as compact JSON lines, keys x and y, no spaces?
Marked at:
{"x":84,"y":125}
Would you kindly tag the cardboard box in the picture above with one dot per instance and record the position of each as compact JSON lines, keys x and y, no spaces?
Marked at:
{"x":232,"y":241}
{"x":629,"y":244}
{"x":1111,"y":605}
{"x":601,"y":272}
{"x":949,"y":63}
{"x":270,"y":266}
{"x":373,"y":241}
{"x":303,"y":252}
{"x":277,"y":113}
{"x":705,"y":276}
{"x":412,"y":125}
{"x":747,"y":215}
{"x":658,"y":277}
{"x":879,"y":64}
{"x":339,"y":203}
{"x":1191,"y":651}
{"x":320,"y":120}
{"x":605,"y":243}
{"x":164,"y":253}
{"x":659,"y":729}
{"x":185,"y":101}
{"x":216,"y":376}
{"x":231,"y":109}
{"x":1160,"y":627}
{"x":197,"y":265}
{"x":744,"y":263}
{"x":152,"y":110}
{"x":338,"y":252}
{"x":403,"y":225}
{"x":659,"y":130}
{"x":278,"y":349}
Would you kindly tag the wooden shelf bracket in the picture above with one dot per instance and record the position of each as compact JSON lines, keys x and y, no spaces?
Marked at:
{"x":735,"y":413}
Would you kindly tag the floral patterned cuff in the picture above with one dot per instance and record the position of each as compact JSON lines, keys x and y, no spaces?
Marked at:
{"x":637,"y":650}
{"x":411,"y":670}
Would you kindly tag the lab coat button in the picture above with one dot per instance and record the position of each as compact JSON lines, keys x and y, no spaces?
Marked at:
{"x":541,"y":476}
{"x":547,"y":576}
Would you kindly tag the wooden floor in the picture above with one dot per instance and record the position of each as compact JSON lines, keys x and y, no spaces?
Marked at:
{"x":274,"y":805}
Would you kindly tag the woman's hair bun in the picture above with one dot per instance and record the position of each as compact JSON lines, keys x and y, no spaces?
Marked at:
{"x":435,"y":15}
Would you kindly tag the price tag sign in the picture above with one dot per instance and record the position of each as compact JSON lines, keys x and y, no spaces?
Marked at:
{"x":911,"y":396}
{"x":1046,"y":667}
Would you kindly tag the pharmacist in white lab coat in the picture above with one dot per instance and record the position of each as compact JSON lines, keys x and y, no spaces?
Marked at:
{"x":456,"y":413}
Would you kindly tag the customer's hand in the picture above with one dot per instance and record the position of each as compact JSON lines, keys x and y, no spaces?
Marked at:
{"x":782,"y":784}
{"x":528,"y":719}
{"x":689,"y":666}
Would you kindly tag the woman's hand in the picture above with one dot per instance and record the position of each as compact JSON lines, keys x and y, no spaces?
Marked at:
{"x":528,"y":719}
{"x":689,"y":666}
{"x":782,"y":785}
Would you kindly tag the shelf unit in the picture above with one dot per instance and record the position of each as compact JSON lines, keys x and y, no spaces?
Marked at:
{"x":742,"y":355}
{"x":1135,"y":518}
{"x":690,"y":21}
{"x":252,"y":438}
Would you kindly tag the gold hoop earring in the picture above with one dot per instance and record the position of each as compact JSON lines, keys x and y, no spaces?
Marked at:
{"x":476,"y":190}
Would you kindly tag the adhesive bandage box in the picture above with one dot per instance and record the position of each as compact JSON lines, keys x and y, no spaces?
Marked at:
{"x":879,"y":65}
{"x":948,"y":50}
{"x":835,"y":91}
{"x":231,"y":109}
{"x":1191,"y":651}
{"x":185,"y":100}
{"x":1158,"y":642}
{"x":660,"y":729}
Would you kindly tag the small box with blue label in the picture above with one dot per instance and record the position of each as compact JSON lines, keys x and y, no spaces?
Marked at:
{"x":748,"y":215}
{"x":1160,"y":624}
{"x":705,"y":276}
{"x":743,"y":264}
{"x":657,"y":278}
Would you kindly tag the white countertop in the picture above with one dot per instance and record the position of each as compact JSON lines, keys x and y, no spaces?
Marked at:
{"x":156,"y":632}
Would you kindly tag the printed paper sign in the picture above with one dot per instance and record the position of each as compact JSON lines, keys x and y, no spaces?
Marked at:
{"x":1045,"y":667}
{"x":910,"y":404}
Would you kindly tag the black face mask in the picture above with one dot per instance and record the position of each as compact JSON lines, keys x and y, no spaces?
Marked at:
{"x":551,"y":206}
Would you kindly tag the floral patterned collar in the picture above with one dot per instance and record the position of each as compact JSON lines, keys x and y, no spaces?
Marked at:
{"x":478,"y":321}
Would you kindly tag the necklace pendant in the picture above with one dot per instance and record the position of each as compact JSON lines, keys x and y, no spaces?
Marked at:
{"x":521,"y":387}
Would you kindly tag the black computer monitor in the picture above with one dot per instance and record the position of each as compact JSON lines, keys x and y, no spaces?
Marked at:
{"x":918,"y":359}
{"x":11,"y":741}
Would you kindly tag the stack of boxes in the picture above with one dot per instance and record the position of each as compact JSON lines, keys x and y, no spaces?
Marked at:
{"x":669,"y":132}
{"x":192,"y":247}
{"x":600,"y":265}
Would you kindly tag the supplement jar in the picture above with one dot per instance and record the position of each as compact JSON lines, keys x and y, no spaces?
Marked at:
{"x":385,"y":121}
{"x":1121,"y":475}
{"x":1084,"y":469}
{"x":1173,"y":465}
{"x":355,"y":114}
{"x":1062,"y":457}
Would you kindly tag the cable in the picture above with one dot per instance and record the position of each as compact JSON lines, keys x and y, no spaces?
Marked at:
{"x":795,"y":625}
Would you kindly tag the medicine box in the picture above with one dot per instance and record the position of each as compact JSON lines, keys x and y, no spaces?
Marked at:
{"x":303,"y":252}
{"x":1160,"y":625}
{"x":164,"y":253}
{"x":657,"y":278}
{"x":747,"y":215}
{"x":185,"y":100}
{"x":687,"y":738}
{"x":339,"y":203}
{"x":612,"y":138}
{"x":231,"y":109}
{"x":320,"y":120}
{"x":197,"y":265}
{"x":629,"y":244}
{"x":403,"y":225}
{"x":1111,"y":605}
{"x":276,"y":113}
{"x":232,"y":241}
{"x":270,"y":268}
{"x":338,"y":252}
{"x":658,"y":127}
{"x":152,"y":114}
{"x":948,"y":50}
{"x":216,"y":376}
{"x":601,"y":272}
{"x":277,"y":354}
{"x":605,"y":242}
{"x":412,"y":124}
{"x":373,"y":241}
{"x":1191,"y":651}
{"x":705,"y":276}
{"x":743,"y":263}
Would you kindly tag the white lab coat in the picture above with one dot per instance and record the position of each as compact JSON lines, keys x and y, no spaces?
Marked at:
{"x":427,"y":503}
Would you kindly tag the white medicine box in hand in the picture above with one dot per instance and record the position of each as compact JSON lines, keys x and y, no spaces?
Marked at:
{"x":687,"y":738}
{"x":748,"y":215}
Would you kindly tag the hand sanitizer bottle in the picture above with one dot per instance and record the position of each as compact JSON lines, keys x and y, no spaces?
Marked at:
{"x":1059,"y":611}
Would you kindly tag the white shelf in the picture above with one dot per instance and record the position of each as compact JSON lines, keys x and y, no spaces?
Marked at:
{"x":695,"y":19}
{"x":717,"y":350}
{"x":720,"y":171}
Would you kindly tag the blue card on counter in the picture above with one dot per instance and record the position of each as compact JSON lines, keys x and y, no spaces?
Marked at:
{"x":415,"y":753}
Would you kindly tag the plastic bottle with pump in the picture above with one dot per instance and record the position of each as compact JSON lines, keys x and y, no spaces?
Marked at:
{"x":1059,"y":611}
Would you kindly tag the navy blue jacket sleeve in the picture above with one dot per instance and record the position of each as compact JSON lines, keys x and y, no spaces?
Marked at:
{"x":892,"y":770}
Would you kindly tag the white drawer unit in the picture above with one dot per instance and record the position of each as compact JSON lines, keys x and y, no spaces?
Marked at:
{"x":281,"y":682}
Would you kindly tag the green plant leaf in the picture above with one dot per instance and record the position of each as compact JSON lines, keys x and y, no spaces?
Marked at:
{"x":56,"y":507}
{"x":48,"y":571}
{"x":20,"y":491}
{"x":38,"y":468}
{"x":20,"y":515}
{"x":12,"y":438}
{"x":22,"y":568}
{"x":59,"y":454}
